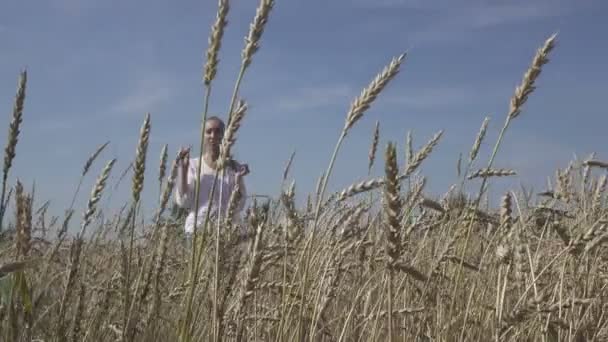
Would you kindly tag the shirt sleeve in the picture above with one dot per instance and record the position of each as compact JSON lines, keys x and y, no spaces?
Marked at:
{"x":185,"y":199}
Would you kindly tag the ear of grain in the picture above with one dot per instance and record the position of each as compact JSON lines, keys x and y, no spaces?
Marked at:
{"x":424,"y":152}
{"x":93,"y":157}
{"x":288,"y":165}
{"x":527,"y":85}
{"x":215,"y":41}
{"x":373,"y":147}
{"x":235,"y":198}
{"x":599,"y":192}
{"x":392,"y":220}
{"x":506,"y":211}
{"x":23,"y":219}
{"x":360,"y":187}
{"x":357,"y":108}
{"x":166,"y":194}
{"x":480,"y":136}
{"x":140,"y":160}
{"x":252,"y":41}
{"x":522,"y":92}
{"x":409,"y":149}
{"x":596,"y":163}
{"x":13,"y":138}
{"x":392,"y":205}
{"x":96,"y":193}
{"x":162,"y":169}
{"x":369,"y":94}
{"x":17,"y":118}
{"x":229,"y":138}
{"x":253,"y":271}
{"x":485,"y":173}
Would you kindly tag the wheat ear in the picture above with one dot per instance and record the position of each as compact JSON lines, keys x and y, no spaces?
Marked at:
{"x":357,"y":108}
{"x":252,"y":41}
{"x":373,"y":148}
{"x":229,"y":138}
{"x":485,"y":173}
{"x":527,"y":85}
{"x":520,"y":97}
{"x":139,"y":167}
{"x":162,"y":168}
{"x":215,"y":41}
{"x":100,"y":185}
{"x":85,"y":169}
{"x":140,"y":159}
{"x":13,"y":138}
{"x":24,"y":222}
{"x":596,"y":163}
{"x":479,"y":139}
{"x":424,"y":152}
{"x":392,"y":219}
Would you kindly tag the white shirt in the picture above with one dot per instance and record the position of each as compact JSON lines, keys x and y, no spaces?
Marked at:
{"x":224,"y":186}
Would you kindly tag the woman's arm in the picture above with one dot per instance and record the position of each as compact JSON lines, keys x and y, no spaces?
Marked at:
{"x":184,"y":185}
{"x":243,"y":194}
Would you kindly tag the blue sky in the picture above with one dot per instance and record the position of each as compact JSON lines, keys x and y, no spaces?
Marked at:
{"x":97,"y":66}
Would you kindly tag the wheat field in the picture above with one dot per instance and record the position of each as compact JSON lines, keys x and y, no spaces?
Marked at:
{"x":381,"y":260}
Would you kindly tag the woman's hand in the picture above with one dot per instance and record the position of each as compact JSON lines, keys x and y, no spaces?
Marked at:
{"x":241,"y":170}
{"x":184,"y":155}
{"x":184,"y":161}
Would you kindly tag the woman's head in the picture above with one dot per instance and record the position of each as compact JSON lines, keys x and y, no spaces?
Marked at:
{"x":214,"y":132}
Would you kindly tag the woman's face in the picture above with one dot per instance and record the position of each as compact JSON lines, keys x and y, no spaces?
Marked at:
{"x":213,"y":133}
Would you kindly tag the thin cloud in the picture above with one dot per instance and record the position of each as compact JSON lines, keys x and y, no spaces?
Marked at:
{"x":148,"y":92}
{"x":432,"y":98}
{"x":315,"y":97}
{"x":456,"y":21}
{"x":75,"y":7}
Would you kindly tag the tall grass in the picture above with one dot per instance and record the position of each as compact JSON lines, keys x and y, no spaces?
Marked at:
{"x":397,"y":265}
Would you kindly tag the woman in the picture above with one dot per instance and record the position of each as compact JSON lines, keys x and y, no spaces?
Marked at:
{"x":185,"y":189}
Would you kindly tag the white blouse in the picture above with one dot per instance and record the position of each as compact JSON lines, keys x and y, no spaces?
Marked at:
{"x":224,"y":186}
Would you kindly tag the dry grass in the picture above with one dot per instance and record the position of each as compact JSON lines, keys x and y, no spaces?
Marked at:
{"x":347,"y":267}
